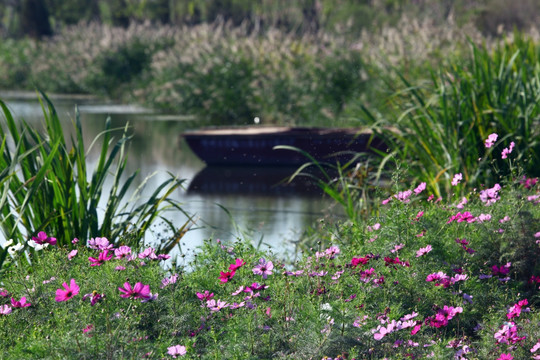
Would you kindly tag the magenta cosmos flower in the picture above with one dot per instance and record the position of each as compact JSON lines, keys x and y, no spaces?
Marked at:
{"x":68,"y":292}
{"x":238,"y":263}
{"x":225,"y":276}
{"x":139,"y":291}
{"x":103,"y":256}
{"x":19,"y":303}
{"x":42,"y":238}
{"x":264,"y":268}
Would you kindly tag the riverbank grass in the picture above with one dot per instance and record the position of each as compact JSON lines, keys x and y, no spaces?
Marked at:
{"x":426,"y":277}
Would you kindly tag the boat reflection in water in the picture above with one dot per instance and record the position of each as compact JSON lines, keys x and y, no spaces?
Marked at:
{"x":260,"y":180}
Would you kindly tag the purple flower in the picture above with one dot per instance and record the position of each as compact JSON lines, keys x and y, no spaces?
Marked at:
{"x":139,"y":291}
{"x":68,"y":292}
{"x":264,"y":268}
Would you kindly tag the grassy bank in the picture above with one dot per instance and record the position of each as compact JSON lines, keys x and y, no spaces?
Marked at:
{"x":425,"y":278}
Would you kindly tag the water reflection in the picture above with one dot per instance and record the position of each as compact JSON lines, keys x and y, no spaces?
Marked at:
{"x":256,"y":205}
{"x":269,"y":181}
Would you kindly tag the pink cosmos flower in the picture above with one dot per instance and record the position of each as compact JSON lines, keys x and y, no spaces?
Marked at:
{"x":483,"y":217}
{"x":462,"y":203}
{"x":504,"y":219}
{"x":176,"y":350}
{"x":397,"y":248}
{"x":215,"y":306}
{"x":122,"y":252}
{"x":42,"y":238}
{"x":416,"y":328}
{"x":150,"y":253}
{"x":491,"y":140}
{"x":103,"y":256}
{"x":457,"y":179}
{"x":5,"y":310}
{"x":99,"y":243}
{"x":505,"y":357}
{"x":205,"y":296}
{"x":139,"y":291}
{"x":169,"y":281}
{"x":237,"y":305}
{"x":490,"y":196}
{"x":423,"y":251}
{"x":507,"y":150}
{"x":420,"y":188}
{"x":88,"y":329}
{"x":264,"y":268}
{"x":68,"y":292}
{"x":515,"y":310}
{"x":332,"y":251}
{"x":403,"y":196}
{"x":72,"y":254}
{"x":461,"y":217}
{"x":535,"y":347}
{"x":19,"y":303}
{"x":376,"y":226}
{"x":508,"y":334}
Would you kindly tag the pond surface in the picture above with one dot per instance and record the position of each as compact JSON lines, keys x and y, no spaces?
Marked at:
{"x":269,"y":215}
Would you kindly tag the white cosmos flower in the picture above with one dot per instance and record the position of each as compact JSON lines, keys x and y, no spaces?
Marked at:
{"x":15,"y":248}
{"x":37,"y":246}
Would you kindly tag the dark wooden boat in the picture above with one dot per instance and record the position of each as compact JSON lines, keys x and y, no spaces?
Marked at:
{"x":257,"y":145}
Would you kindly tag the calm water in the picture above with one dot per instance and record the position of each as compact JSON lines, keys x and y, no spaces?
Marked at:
{"x":274,"y":216}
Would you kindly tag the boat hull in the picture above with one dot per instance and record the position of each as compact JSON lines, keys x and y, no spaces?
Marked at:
{"x":257,"y":146}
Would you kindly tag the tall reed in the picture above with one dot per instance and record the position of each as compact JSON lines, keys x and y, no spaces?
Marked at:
{"x":46,"y":185}
{"x":444,"y":121}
